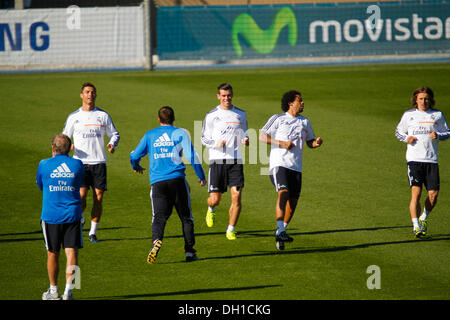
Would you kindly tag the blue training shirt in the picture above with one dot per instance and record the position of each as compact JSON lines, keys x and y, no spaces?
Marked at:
{"x":60,"y":179}
{"x":165,"y":146}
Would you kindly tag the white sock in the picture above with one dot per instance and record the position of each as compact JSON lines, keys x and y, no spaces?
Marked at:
{"x":415,"y":222}
{"x":230,"y":228}
{"x":285,"y":224}
{"x":424,"y":215}
{"x":212,"y":209}
{"x":68,"y":288}
{"x":280,"y":226}
{"x":53,"y":289}
{"x":93,"y":228}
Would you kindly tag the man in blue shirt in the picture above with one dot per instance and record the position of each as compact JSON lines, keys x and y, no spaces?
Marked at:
{"x":165,"y":146}
{"x":60,"y":179}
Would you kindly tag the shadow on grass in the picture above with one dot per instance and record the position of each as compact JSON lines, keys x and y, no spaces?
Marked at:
{"x":257,"y":233}
{"x":270,"y":233}
{"x":254,"y":233}
{"x":348,"y":230}
{"x":299,"y":250}
{"x":21,"y":233}
{"x":21,"y":240}
{"x":181,"y":293}
{"x":40,"y":232}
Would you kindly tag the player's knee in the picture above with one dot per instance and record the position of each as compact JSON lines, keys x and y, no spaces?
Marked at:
{"x":236,"y":193}
{"x":53,"y":254}
{"x":433,"y":196}
{"x":236,"y":199}
{"x":98,"y":196}
{"x":283,"y":194}
{"x":214,"y":199}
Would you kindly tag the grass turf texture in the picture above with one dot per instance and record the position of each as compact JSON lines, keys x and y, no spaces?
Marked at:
{"x":353,"y":211}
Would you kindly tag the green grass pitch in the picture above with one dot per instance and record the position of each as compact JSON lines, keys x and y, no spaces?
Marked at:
{"x":352,"y":214}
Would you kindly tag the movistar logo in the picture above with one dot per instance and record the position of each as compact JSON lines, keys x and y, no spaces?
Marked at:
{"x":263,"y":41}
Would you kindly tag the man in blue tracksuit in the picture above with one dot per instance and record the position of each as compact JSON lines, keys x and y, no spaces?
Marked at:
{"x":165,"y":145}
{"x":60,"y":179}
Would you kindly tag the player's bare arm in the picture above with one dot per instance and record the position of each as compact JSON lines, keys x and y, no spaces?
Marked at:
{"x":264,"y":137}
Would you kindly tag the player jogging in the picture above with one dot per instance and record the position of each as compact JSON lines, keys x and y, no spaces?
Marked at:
{"x":60,"y":179}
{"x":88,"y":126}
{"x":286,"y":133}
{"x":224,"y":129}
{"x":421,"y":128}
{"x":165,"y":145}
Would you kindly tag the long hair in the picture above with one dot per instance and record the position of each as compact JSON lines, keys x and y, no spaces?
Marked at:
{"x":413,"y":100}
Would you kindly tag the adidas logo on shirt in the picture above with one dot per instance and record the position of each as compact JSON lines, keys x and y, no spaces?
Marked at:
{"x":62,"y":171}
{"x":163,"y":141}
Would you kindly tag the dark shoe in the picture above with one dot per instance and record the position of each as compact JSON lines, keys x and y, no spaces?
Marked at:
{"x":191,"y":257}
{"x":93,"y":238}
{"x":283,"y":237}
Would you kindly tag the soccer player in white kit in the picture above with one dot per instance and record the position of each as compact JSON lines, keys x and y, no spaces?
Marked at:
{"x":421,"y":128}
{"x":88,"y":126}
{"x":287,"y":132}
{"x":224,"y":129}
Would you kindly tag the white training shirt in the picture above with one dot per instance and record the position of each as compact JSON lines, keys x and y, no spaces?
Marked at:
{"x":88,"y":129}
{"x":230,"y":125}
{"x":285,"y":127}
{"x":420,"y":124}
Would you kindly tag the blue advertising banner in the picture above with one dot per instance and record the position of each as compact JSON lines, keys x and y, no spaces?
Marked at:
{"x":302,"y":31}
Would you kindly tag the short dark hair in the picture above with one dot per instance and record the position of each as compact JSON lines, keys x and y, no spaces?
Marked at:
{"x":426,"y":90}
{"x":225,"y":86}
{"x":287,"y":98}
{"x":166,"y":115}
{"x":61,"y":144}
{"x":88,"y":84}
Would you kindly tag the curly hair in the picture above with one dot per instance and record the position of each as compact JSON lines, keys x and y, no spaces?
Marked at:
{"x":287,"y":98}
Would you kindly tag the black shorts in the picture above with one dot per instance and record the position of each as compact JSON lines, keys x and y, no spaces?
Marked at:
{"x":169,"y":193}
{"x":67,"y":235}
{"x":286,"y":179}
{"x":424,"y":173}
{"x":95,"y":176}
{"x":223,"y":174}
